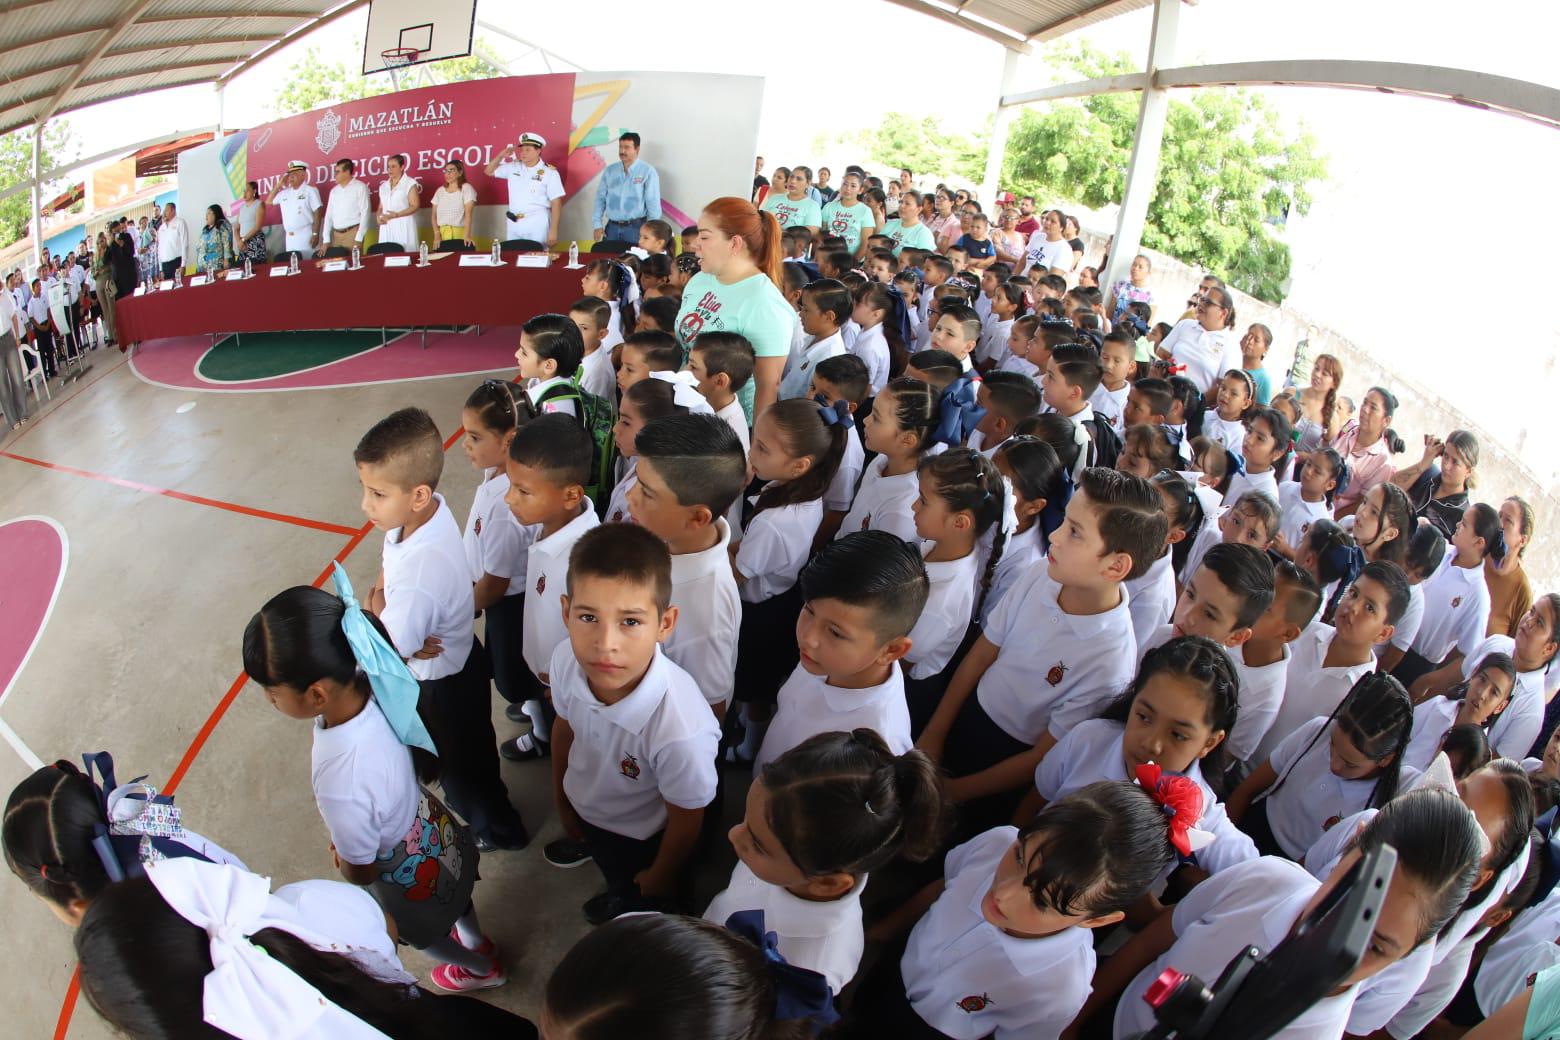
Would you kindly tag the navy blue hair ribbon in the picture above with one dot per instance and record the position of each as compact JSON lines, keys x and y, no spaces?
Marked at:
{"x":836,"y":414}
{"x":1233,"y":463}
{"x":958,"y":411}
{"x":899,"y":315}
{"x":799,"y":993}
{"x":1056,"y":506}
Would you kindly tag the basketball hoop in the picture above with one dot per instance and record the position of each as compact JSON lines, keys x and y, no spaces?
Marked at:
{"x":398,"y":57}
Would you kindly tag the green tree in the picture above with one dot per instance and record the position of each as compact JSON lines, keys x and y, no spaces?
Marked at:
{"x":1227,"y":170}
{"x":922,"y":145}
{"x":311,"y":81}
{"x":59,"y":146}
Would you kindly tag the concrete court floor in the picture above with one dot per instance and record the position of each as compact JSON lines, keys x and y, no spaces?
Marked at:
{"x":144,"y":642}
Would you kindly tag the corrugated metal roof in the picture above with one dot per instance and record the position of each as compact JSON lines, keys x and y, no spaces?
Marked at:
{"x":1018,"y":23}
{"x":59,"y":55}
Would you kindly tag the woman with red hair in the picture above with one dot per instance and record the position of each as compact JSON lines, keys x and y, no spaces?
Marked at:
{"x":737,"y":290}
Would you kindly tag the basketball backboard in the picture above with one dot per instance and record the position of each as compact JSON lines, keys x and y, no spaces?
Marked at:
{"x":436,"y":31}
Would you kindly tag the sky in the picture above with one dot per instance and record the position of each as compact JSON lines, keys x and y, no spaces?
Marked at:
{"x":1430,"y":210}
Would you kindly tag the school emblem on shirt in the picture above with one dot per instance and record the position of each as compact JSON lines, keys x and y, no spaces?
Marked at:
{"x":1331,"y":820}
{"x":1456,"y":602}
{"x":477,"y":530}
{"x":866,"y":521}
{"x":971,"y":1004}
{"x":629,"y":767}
{"x":1054,"y":676}
{"x":541,"y":585}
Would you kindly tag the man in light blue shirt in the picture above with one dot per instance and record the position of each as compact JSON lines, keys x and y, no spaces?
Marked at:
{"x":629,"y":194}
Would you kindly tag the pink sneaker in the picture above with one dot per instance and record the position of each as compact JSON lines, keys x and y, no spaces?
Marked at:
{"x":452,"y":978}
{"x":487,"y":949}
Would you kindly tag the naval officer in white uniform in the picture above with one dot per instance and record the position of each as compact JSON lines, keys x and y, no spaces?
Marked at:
{"x":301,"y":208}
{"x":535,"y":190}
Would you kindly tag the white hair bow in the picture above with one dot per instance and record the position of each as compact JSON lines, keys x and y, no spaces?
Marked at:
{"x":248,"y":993}
{"x":685,"y":392}
{"x":1085,"y":445}
{"x":1009,"y":522}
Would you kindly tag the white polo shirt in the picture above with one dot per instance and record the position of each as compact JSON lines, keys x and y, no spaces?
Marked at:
{"x":1407,"y":629}
{"x":1263,"y":483}
{"x":733,"y":416}
{"x":1261,"y":696}
{"x":1528,"y":946}
{"x":1254,"y":904}
{"x":1457,"y":611}
{"x":775,"y":547}
{"x":1206,"y":538}
{"x":1309,"y":689}
{"x":617,"y":505}
{"x":564,"y":404}
{"x":629,"y":759}
{"x":1513,"y":733}
{"x":950,"y":602}
{"x":1226,"y":434}
{"x":364,"y":784}
{"x":709,"y":618}
{"x":1152,"y":599}
{"x":871,"y":346}
{"x":1432,"y":718}
{"x":1093,"y":751}
{"x":1023,"y":552}
{"x":1296,"y":514}
{"x":547,"y":577}
{"x":597,"y":375}
{"x":1110,"y":404}
{"x":967,"y":978}
{"x":883,"y":503}
{"x":808,"y":705}
{"x":799,"y":377}
{"x":428,"y":593}
{"x":495,"y":541}
{"x":826,"y":937}
{"x":1436,"y":992}
{"x":1311,"y":799}
{"x":1206,"y":355}
{"x":1053,"y":669}
{"x":993,"y":342}
{"x":842,"y":489}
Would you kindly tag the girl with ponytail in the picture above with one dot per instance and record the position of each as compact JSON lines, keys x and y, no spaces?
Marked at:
{"x":818,"y":819}
{"x":611,"y":280}
{"x":1457,"y":604}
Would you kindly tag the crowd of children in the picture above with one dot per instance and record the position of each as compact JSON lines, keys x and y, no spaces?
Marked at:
{"x":1061,"y":648}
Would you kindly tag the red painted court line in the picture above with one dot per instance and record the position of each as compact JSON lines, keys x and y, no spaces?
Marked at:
{"x":62,"y":401}
{"x":135,"y":485}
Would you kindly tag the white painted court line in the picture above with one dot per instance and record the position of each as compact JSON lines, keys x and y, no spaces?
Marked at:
{"x":20,"y":747}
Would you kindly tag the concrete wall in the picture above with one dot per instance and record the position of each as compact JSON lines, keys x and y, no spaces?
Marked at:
{"x":1421,"y":409}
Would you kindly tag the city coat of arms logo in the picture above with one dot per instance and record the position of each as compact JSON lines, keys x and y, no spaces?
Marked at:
{"x":329,"y":131}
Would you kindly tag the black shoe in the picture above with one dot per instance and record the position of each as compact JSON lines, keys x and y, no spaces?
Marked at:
{"x":523,"y":748}
{"x":507,"y":841}
{"x":600,"y":909}
{"x":516,"y":713}
{"x":566,"y":853}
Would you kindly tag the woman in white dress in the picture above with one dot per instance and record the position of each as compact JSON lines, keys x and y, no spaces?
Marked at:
{"x":398,"y":204}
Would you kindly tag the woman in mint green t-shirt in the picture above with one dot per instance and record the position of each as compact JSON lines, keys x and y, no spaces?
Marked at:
{"x":737,"y":291}
{"x":907,"y":229}
{"x":850,"y":218}
{"x":796,"y":208}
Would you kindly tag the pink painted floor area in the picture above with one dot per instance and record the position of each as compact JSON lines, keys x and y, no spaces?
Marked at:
{"x":34,"y":555}
{"x":172,"y":362}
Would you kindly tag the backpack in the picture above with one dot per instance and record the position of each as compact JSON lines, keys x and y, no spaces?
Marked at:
{"x":598,"y":416}
{"x":1107,"y":445}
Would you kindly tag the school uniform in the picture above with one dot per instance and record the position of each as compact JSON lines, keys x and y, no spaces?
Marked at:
{"x":1261,"y":696}
{"x":809,"y":705}
{"x":823,"y":936}
{"x":773,"y":550}
{"x":871,"y":346}
{"x":1013,"y":363}
{"x":547,"y":577}
{"x":967,"y":978}
{"x":1109,"y":405}
{"x":709,"y":618}
{"x":992,"y":347}
{"x":1254,"y":903}
{"x":615,"y":331}
{"x":617,"y":505}
{"x":797,"y":380}
{"x":1093,"y":751}
{"x":540,"y":387}
{"x":1457,"y":612}
{"x":1308,"y":798}
{"x":1432,"y":719}
{"x":1513,"y":732}
{"x":1310,"y":689}
{"x":849,"y":333}
{"x":1407,"y":629}
{"x":1185,"y":446}
{"x":1225,"y":433}
{"x":1151,"y":599}
{"x":495,"y":544}
{"x":841,"y":494}
{"x":629,"y":760}
{"x":883,"y":503}
{"x":1529,"y":946}
{"x":1436,"y":992}
{"x":733,"y":416}
{"x":1263,"y":483}
{"x":1296,"y":514}
{"x":1023,"y":553}
{"x":946,"y":616}
{"x":597,"y":376}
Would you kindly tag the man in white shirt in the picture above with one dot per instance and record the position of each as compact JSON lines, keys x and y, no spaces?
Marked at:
{"x":535,"y":190}
{"x":301,"y":209}
{"x":347,"y":214}
{"x":173,"y":241}
{"x":41,"y":326}
{"x":13,"y":384}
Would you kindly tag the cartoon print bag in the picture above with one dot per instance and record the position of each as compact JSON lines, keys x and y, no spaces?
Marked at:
{"x":424,"y":882}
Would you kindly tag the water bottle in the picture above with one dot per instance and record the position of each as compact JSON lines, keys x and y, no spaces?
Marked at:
{"x":178,"y":277}
{"x":248,"y":267}
{"x":292,"y":264}
{"x":498,"y":257}
{"x":357,"y":258}
{"x":422,"y":254}
{"x":574,"y":254}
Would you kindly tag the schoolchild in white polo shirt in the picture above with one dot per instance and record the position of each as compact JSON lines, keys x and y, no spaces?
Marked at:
{"x":1329,"y":768}
{"x":1457,"y":602}
{"x":797,"y":443}
{"x":1003,"y":946}
{"x":1039,"y":486}
{"x":1263,"y":660}
{"x":826,"y":306}
{"x":841,"y":379}
{"x":644,"y":402}
{"x":1153,"y":593}
{"x":861,"y":596}
{"x":1056,"y":651}
{"x":818,"y":819}
{"x":548,"y":465}
{"x":1008,"y":398}
{"x":1476,"y":701}
{"x":591,"y":315}
{"x":1426,"y":550}
{"x":635,"y":741}
{"x":549,"y":354}
{"x":722,"y":364}
{"x":900,"y":429}
{"x":424,"y":597}
{"x":1531,"y":944}
{"x":691,"y":468}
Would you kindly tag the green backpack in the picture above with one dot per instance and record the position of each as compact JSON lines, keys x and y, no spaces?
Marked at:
{"x":598,"y":416}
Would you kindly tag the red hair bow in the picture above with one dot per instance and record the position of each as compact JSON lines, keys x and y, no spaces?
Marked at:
{"x":1180,"y":798}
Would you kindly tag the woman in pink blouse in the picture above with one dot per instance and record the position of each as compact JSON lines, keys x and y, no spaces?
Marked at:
{"x":1368,"y":447}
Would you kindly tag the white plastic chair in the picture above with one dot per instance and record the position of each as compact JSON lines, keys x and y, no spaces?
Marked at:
{"x":32,"y":372}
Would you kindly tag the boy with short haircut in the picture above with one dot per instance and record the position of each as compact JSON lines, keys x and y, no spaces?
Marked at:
{"x":958,"y":258}
{"x":657,"y":314}
{"x":937,"y":367}
{"x":548,"y":467}
{"x":876,"y":242}
{"x":635,"y":766}
{"x":722,"y":362}
{"x":1071,"y":376}
{"x":424,"y":598}
{"x":936,"y":269}
{"x":861,"y":595}
{"x":791,"y":248}
{"x":957,"y":331}
{"x":1426,"y":550}
{"x":1117,"y":361}
{"x":655,"y":236}
{"x":944,"y":295}
{"x":842,"y":378}
{"x":976,"y":244}
{"x":834,"y":263}
{"x":592,"y":316}
{"x":804,"y":241}
{"x":1326,"y":660}
{"x":646,"y":352}
{"x":1050,"y":286}
{"x":826,"y":306}
{"x":1226,"y":595}
{"x":691,"y":468}
{"x":690,"y":240}
{"x":1263,"y":660}
{"x":881,"y":266}
{"x":1148,"y":403}
{"x":1008,"y":398}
